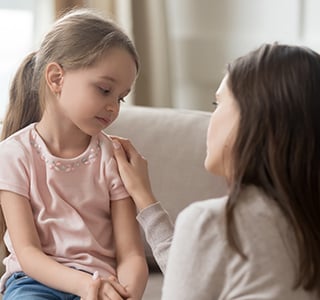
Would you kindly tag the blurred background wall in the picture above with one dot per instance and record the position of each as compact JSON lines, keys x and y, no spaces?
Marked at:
{"x":184,"y":45}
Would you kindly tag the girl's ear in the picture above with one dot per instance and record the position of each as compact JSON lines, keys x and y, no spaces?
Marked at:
{"x":54,"y":77}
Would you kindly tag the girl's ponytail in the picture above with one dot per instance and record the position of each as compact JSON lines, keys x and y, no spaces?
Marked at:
{"x":24,"y":106}
{"x":24,"y":109}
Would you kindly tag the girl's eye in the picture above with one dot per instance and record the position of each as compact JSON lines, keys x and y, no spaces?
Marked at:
{"x":215,"y":103}
{"x":121,"y":100}
{"x":104,"y":91}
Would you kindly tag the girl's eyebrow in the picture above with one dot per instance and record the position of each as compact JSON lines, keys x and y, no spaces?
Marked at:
{"x":106,"y":77}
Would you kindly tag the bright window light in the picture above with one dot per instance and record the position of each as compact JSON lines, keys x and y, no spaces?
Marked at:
{"x":16,"y":29}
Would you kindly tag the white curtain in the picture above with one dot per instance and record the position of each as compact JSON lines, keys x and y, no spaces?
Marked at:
{"x":184,"y":45}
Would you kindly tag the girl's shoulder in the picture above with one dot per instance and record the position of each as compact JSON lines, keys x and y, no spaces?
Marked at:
{"x":105,"y":141}
{"x":17,"y":144}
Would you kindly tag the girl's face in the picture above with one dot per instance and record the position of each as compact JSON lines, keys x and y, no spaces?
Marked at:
{"x":222,"y":132}
{"x":90,"y":98}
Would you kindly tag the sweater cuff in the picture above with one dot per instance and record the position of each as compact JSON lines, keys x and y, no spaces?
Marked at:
{"x":156,"y":223}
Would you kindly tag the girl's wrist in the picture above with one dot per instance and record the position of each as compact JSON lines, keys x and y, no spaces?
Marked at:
{"x":84,"y":286}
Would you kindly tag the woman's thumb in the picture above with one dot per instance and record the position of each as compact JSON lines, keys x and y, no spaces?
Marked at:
{"x":116,"y":144}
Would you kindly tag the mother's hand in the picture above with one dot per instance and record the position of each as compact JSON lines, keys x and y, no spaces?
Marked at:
{"x":133,"y":169}
{"x":105,"y":289}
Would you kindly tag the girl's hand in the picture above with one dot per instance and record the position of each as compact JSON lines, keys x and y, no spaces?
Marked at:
{"x":133,"y":169}
{"x":94,"y":287}
{"x":111,"y":289}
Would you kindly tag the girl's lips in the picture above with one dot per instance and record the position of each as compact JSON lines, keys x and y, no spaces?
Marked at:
{"x":104,"y":121}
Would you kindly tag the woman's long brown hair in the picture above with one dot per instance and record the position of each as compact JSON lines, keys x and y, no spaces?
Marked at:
{"x":277,"y":88}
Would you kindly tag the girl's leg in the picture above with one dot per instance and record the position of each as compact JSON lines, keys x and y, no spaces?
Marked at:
{"x":21,"y":287}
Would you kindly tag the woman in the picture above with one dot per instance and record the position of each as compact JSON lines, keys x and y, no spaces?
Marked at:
{"x":261,"y":241}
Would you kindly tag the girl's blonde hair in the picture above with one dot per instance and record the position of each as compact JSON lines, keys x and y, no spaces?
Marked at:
{"x":77,"y":40}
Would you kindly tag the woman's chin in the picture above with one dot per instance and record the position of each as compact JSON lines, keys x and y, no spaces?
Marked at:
{"x":208,"y":165}
{"x":213,"y":168}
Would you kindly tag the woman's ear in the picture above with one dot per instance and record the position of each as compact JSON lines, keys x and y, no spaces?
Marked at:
{"x":54,"y":77}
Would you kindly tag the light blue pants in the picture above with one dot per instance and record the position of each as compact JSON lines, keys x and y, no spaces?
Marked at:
{"x":21,"y":287}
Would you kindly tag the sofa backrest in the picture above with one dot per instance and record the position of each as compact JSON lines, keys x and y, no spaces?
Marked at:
{"x":174,"y":143}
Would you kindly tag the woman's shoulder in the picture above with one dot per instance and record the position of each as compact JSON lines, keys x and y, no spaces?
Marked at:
{"x":210,"y":206}
{"x":204,"y":214}
{"x":254,"y":204}
{"x":263,"y":229}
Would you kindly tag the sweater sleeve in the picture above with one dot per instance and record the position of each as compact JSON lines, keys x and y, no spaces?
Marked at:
{"x":198,"y":256}
{"x":158,"y":229}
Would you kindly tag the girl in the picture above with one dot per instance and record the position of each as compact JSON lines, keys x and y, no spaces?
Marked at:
{"x":261,"y":241}
{"x":65,"y":207}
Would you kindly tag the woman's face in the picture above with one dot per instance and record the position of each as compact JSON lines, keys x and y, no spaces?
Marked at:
{"x":222,"y":132}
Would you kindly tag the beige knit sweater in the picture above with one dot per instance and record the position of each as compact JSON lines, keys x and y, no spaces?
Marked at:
{"x":201,"y":265}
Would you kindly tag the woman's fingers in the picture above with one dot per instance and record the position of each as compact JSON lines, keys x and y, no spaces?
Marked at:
{"x":133,"y":169}
{"x":113,"y":290}
{"x":118,"y":287}
{"x":120,"y":154}
{"x":126,"y":145}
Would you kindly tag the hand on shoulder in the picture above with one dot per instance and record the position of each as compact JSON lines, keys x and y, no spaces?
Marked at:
{"x":133,"y":169}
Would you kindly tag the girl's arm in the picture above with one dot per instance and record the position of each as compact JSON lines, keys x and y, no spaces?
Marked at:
{"x":132,"y":270}
{"x":27,"y":246}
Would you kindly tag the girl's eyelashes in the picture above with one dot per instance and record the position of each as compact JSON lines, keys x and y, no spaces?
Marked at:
{"x":108,"y":91}
{"x":104,"y":91}
{"x":215,"y":103}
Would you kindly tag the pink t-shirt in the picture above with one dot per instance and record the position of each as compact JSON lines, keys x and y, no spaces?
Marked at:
{"x":70,"y":199}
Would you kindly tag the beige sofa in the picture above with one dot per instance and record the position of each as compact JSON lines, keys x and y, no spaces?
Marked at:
{"x":174,"y":142}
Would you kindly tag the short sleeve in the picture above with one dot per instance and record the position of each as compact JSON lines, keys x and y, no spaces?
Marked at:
{"x":13,"y":168}
{"x":117,"y":190}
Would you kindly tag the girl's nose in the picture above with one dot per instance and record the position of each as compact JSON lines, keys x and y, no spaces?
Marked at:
{"x":112,"y":106}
